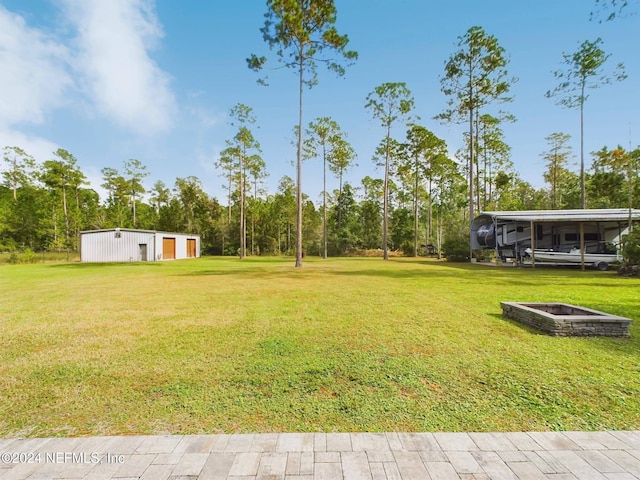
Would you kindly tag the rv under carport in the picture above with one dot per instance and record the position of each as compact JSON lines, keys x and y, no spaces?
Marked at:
{"x":517,"y":235}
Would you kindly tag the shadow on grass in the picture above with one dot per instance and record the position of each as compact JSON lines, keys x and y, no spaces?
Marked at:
{"x":413,"y":269}
{"x":478,"y":274}
{"x":87,"y":265}
{"x":249,"y":272}
{"x":430,"y":271}
{"x":256,"y":271}
{"x":311,"y":272}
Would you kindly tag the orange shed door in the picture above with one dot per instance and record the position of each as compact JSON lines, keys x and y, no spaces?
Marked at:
{"x":191,"y":247}
{"x":168,"y":248}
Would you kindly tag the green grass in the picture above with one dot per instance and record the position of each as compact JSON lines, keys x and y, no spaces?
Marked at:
{"x":222,"y":345}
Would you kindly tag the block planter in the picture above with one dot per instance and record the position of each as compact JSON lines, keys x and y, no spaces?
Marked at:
{"x":562,"y":319}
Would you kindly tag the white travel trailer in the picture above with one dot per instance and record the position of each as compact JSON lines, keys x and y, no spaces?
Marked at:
{"x":559,"y":236}
{"x":129,"y":245}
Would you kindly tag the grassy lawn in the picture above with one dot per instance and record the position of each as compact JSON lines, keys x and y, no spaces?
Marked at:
{"x":219,"y":345}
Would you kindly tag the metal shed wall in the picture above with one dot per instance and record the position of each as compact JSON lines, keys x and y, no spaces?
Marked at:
{"x":181,"y":244}
{"x":128,"y":245}
{"x":105,"y":246}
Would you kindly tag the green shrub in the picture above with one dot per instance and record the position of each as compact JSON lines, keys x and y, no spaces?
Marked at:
{"x":8,"y":245}
{"x":631,"y":247}
{"x":484,"y":255}
{"x":629,"y":270}
{"x":13,"y":258}
{"x":29,"y":256}
{"x":407,"y":248}
{"x":456,"y":248}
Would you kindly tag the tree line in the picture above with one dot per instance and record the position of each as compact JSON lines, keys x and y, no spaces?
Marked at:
{"x":44,"y":205}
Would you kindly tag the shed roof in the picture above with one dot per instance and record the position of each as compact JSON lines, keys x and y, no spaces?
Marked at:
{"x":587,"y":215}
{"x":137,"y":231}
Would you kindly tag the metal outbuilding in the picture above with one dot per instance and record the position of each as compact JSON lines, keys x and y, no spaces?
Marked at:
{"x":129,"y":245}
{"x":510,"y":233}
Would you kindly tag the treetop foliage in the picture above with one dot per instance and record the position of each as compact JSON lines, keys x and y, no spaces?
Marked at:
{"x":607,"y":10}
{"x":390,"y":101}
{"x":583,"y":70}
{"x":475,"y":75}
{"x":303,"y":33}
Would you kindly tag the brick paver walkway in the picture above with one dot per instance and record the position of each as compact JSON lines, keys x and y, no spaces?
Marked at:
{"x":330,"y":456}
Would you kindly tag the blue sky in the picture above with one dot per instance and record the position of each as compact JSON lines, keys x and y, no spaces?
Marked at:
{"x":154,"y":80}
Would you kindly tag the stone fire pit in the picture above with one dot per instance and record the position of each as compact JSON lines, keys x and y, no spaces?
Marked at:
{"x":566,"y":320}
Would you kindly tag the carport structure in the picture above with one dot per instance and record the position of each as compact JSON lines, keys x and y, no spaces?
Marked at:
{"x":511,"y":233}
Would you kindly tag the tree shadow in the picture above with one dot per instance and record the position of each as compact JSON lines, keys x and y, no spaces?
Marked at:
{"x":413,"y":269}
{"x":257,"y":272}
{"x":406,"y":268}
{"x":87,"y":265}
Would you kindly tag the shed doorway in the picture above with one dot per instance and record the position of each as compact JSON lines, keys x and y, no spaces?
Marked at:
{"x":143,"y":252}
{"x":191,"y":247}
{"x":168,"y":248}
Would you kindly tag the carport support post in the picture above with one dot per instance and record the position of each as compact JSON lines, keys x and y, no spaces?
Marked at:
{"x":533,"y":245}
{"x":582,"y":245}
{"x":619,"y":245}
{"x":495,"y":236}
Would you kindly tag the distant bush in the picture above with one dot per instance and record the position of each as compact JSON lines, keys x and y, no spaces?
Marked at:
{"x":29,"y":256}
{"x":456,"y":248}
{"x":372,"y":252}
{"x":8,"y":245}
{"x":629,"y":270}
{"x":407,"y":248}
{"x":230,"y":251}
{"x":631,"y":247}
{"x":631,"y":254}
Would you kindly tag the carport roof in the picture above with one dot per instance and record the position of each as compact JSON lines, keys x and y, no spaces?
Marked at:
{"x":593,"y":215}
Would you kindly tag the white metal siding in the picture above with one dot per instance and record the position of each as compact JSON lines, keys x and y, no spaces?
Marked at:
{"x":181,"y":244}
{"x":106,"y":247}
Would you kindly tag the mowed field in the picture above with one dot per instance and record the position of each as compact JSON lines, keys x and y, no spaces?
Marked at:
{"x":356,"y":344}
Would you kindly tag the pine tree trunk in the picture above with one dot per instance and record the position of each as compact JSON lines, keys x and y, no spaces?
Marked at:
{"x":582,"y":185}
{"x":243,"y":225}
{"x":299,"y":172}
{"x":15,"y":182}
{"x":415,"y":212}
{"x":471,"y":155}
{"x":66,"y":216}
{"x":385,"y":201}
{"x":324,"y":201}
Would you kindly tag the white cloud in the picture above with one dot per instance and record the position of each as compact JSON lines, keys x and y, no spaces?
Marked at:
{"x":204,"y":118}
{"x":114,"y":39}
{"x":39,"y":148}
{"x":213,"y":183}
{"x":206,"y":159}
{"x":34,"y":77}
